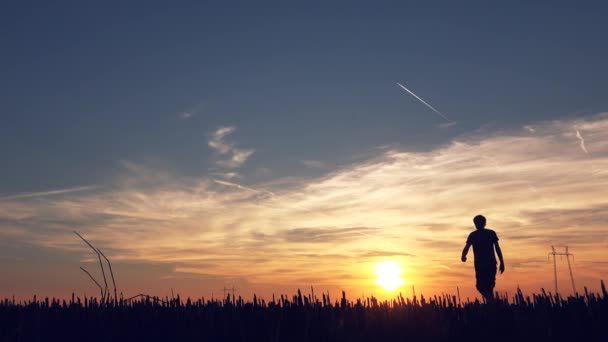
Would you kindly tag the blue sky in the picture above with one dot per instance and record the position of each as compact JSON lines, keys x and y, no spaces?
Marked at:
{"x":86,"y":86}
{"x":191,"y":139}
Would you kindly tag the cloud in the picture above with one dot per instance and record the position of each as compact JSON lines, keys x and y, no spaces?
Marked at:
{"x":191,"y":112}
{"x":239,"y":157}
{"x":536,"y":190}
{"x":229,"y":175}
{"x":447,"y":124}
{"x":326,"y":235}
{"x":582,"y":141}
{"x":376,"y":253}
{"x":218,"y":142}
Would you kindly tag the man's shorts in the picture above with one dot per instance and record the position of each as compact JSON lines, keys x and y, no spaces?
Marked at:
{"x":486,"y":278}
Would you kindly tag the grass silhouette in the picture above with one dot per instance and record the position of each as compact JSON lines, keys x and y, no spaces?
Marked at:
{"x":538,"y":317}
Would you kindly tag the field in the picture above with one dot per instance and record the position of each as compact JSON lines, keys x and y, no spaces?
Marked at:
{"x":538,"y":317}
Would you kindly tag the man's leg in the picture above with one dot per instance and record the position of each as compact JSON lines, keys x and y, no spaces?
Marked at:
{"x":486,"y":281}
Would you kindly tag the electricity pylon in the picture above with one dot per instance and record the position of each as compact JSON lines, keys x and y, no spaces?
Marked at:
{"x":567,"y":254}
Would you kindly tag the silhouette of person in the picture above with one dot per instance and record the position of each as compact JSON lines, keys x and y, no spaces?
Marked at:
{"x":484,"y":241}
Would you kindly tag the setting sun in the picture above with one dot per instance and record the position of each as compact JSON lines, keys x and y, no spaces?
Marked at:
{"x":389,"y":275}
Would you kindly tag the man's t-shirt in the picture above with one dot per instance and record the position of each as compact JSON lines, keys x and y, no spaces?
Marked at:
{"x":483,"y":241}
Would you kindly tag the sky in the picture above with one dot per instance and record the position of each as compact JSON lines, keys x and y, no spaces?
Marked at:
{"x":268,"y":146}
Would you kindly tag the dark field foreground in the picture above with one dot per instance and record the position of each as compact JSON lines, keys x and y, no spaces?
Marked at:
{"x":308,"y":318}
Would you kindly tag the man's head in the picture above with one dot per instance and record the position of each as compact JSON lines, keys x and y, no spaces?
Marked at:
{"x":480,"y":221}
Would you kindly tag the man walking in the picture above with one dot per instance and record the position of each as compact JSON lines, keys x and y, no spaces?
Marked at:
{"x":484,"y":241}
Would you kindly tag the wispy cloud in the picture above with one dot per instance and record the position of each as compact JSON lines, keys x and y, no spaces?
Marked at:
{"x":228,"y":175}
{"x":185,"y":115}
{"x":582,"y":144}
{"x":447,"y":124}
{"x":238,"y":156}
{"x":392,"y":205}
{"x":325,"y":235}
{"x":217,"y":141}
{"x":191,"y":111}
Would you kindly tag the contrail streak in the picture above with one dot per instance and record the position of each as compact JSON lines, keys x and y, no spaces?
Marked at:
{"x":48,"y":193}
{"x":241,"y":187}
{"x":580,"y":137}
{"x":421,"y":100}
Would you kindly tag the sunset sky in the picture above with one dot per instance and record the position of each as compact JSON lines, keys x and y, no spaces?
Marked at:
{"x":268,"y":146}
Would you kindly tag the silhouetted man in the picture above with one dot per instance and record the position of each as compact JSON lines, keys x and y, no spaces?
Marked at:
{"x":484,"y":241}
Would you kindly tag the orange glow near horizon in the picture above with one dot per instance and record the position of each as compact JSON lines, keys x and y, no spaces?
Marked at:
{"x":355,"y":228}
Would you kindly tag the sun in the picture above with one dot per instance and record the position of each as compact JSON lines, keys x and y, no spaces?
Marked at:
{"x":389,"y":275}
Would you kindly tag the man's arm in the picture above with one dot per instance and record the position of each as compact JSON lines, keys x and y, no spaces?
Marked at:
{"x":499,"y":252}
{"x":465,"y":251}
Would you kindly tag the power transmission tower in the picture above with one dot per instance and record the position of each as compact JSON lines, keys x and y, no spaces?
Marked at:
{"x":553,"y":253}
{"x":567,"y":254}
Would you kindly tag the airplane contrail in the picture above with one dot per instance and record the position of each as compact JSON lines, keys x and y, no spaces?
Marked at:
{"x":241,"y":187}
{"x":421,"y":100}
{"x":48,"y":193}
